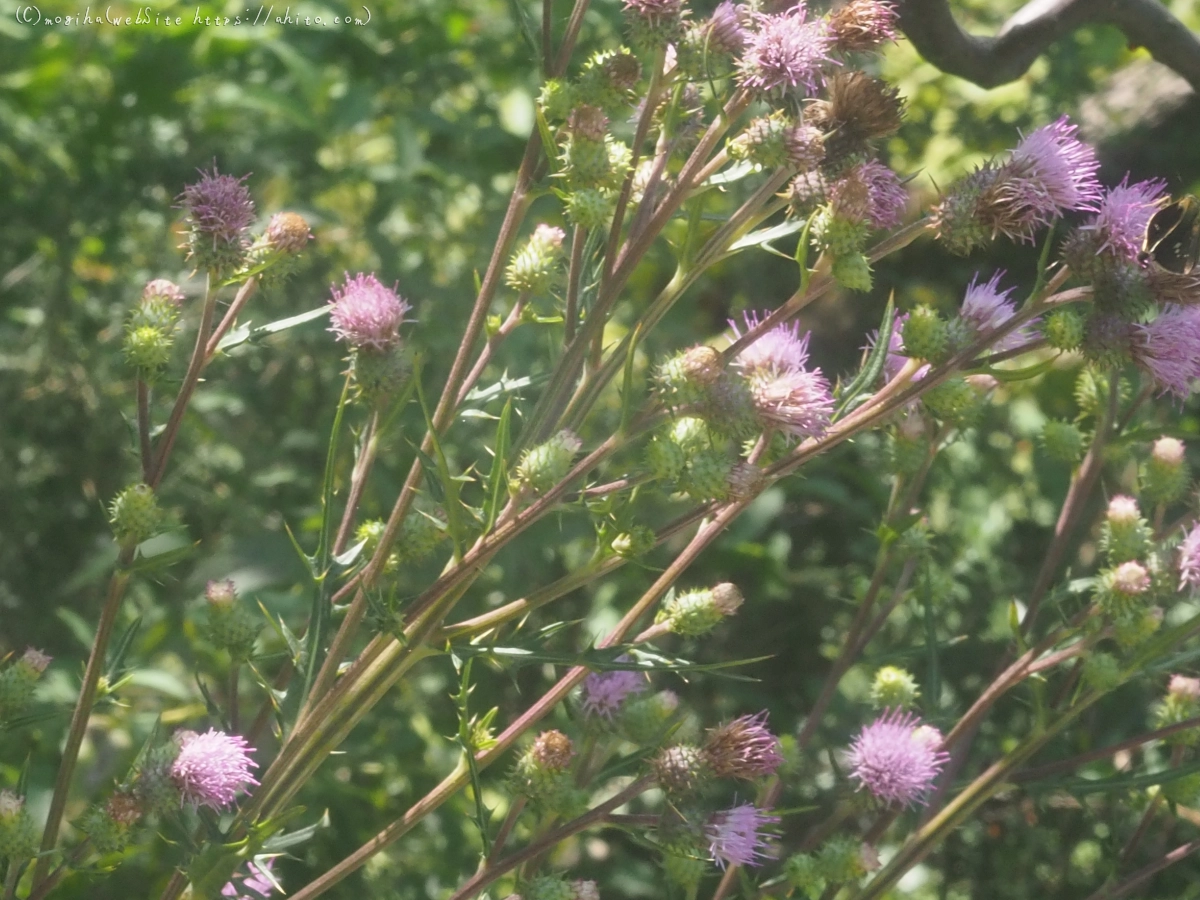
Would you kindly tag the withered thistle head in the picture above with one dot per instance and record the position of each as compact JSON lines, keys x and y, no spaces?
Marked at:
{"x":553,"y":750}
{"x":743,"y":748}
{"x":288,"y":232}
{"x":862,"y":25}
{"x":858,"y":109}
{"x":588,"y":122}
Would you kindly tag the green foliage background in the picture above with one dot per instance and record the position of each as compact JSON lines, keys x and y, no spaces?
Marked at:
{"x":398,"y":140}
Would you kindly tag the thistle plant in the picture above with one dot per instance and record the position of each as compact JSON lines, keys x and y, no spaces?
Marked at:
{"x":710,"y":138}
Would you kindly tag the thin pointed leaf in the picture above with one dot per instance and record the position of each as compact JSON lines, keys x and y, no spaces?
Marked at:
{"x":244,"y":333}
{"x":121,"y":649}
{"x":874,"y":363}
{"x":763,"y":235}
{"x":497,"y":476}
{"x":449,"y":484}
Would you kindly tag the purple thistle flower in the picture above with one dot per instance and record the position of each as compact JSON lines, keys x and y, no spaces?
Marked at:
{"x":218,"y":211}
{"x":1169,"y":348}
{"x":367,"y":314}
{"x":1189,"y":559}
{"x":212,"y":768}
{"x":797,"y":402}
{"x":985,"y":308}
{"x":743,"y":748}
{"x":604,"y":692}
{"x":785,"y":52}
{"x":897,"y":758}
{"x":887,"y":199}
{"x":258,"y":879}
{"x":1125,"y":211}
{"x":726,"y":31}
{"x":779,"y":350}
{"x":1061,"y":170}
{"x":734,"y":837}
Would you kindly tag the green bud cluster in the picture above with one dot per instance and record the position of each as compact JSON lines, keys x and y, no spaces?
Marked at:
{"x":228,"y":624}
{"x":608,"y":80}
{"x":18,"y":682}
{"x":697,"y":612}
{"x":926,"y":335}
{"x":692,"y":457}
{"x":893,"y":688}
{"x":18,"y":833}
{"x":1063,"y":329}
{"x":150,"y":332}
{"x":843,"y":860}
{"x":544,"y":466}
{"x":803,"y":873}
{"x":134,"y":514}
{"x":534,"y":267}
{"x":1062,"y":441}
{"x":839,"y":235}
{"x":589,"y":208}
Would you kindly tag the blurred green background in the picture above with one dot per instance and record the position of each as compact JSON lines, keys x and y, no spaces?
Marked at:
{"x":398,"y":140}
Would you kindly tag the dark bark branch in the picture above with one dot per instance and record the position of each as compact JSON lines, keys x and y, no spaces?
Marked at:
{"x":1005,"y":57}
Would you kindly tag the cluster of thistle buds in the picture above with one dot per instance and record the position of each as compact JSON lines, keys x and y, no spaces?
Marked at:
{"x":18,"y":682}
{"x":150,"y":332}
{"x":228,"y":624}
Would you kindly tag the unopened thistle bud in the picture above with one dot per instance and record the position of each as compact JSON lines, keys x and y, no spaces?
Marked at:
{"x":587,"y":154}
{"x":908,"y":445}
{"x":18,"y":833}
{"x":380,"y":375}
{"x":588,"y":208}
{"x":744,"y":748}
{"x":1102,"y":671}
{"x":925,"y":334}
{"x":1181,"y":702}
{"x":1062,"y":441}
{"x":534,"y":266}
{"x":681,"y":769}
{"x":110,"y":824}
{"x":557,"y":99}
{"x":288,"y":233}
{"x":954,"y":401}
{"x":160,"y":306}
{"x":653,"y":23}
{"x":707,"y":474}
{"x":228,"y":624}
{"x":18,"y":682}
{"x":806,"y":192}
{"x":1107,"y":340}
{"x":684,"y":379}
{"x":803,"y":874}
{"x":684,"y":864}
{"x":776,"y":140}
{"x":134,"y":514}
{"x":148,"y":349}
{"x":543,"y":466}
{"x":542,"y":774}
{"x":1063,"y":329}
{"x":1165,"y":475}
{"x":1125,"y":535}
{"x":644,"y":719}
{"x":608,"y":80}
{"x":1120,"y":590}
{"x":697,"y":612}
{"x":893,"y":688}
{"x":419,"y":536}
{"x":1137,"y":626}
{"x":218,"y":211}
{"x":852,"y":271}
{"x":842,"y":860}
{"x":634,"y":543}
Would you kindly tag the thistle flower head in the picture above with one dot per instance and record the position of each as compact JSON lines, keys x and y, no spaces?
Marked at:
{"x":726,"y":29}
{"x":985,"y":308}
{"x":212,"y":768}
{"x":1122,"y":510}
{"x":1120,"y":224}
{"x":288,"y":232}
{"x":1131,"y":578}
{"x":1184,"y":688}
{"x":36,"y":659}
{"x":160,"y":289}
{"x":735,"y":836}
{"x":1169,"y":451}
{"x":367,"y":315}
{"x":743,"y":748}
{"x":798,"y":402}
{"x":897,"y":758}
{"x":1060,"y":166}
{"x":552,"y":750}
{"x":862,"y":25}
{"x":604,"y":692}
{"x":857,"y":109}
{"x":886,"y":197}
{"x":220,"y":592}
{"x":256,"y":881}
{"x":1169,"y":349}
{"x":218,"y":211}
{"x":1189,"y":560}
{"x":781,"y":349}
{"x":785,"y":52}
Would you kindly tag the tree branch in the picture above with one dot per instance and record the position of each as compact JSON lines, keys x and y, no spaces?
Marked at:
{"x":1005,"y":57}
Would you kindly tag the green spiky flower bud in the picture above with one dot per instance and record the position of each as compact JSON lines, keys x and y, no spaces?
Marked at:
{"x":380,"y":375}
{"x":1137,"y":626}
{"x":19,"y":681}
{"x":841,"y":860}
{"x":1063,"y":329}
{"x":557,"y":99}
{"x":18,"y":833}
{"x":680,"y":769}
{"x":228,"y":624}
{"x":840,"y":235}
{"x":110,"y":824}
{"x":542,"y":774}
{"x":543,"y":466}
{"x":893,"y":688}
{"x":634,"y":543}
{"x":134,"y":514}
{"x":1165,"y":475}
{"x":1125,"y":535}
{"x":954,"y":400}
{"x":589,"y":208}
{"x":684,"y":864}
{"x":608,"y":79}
{"x":1181,"y":702}
{"x":707,"y":474}
{"x":533,"y":268}
{"x":852,"y":271}
{"x":644,"y":719}
{"x":803,"y":873}
{"x":1120,"y":591}
{"x":148,"y":350}
{"x":418,"y":537}
{"x":1102,"y":671}
{"x":153,"y":786}
{"x":684,"y":379}
{"x":925,"y":334}
{"x":697,"y":612}
{"x":1062,"y":441}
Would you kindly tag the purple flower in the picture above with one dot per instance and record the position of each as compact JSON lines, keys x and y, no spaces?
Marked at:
{"x":1169,"y":348}
{"x":1120,"y":225}
{"x":257,"y":879}
{"x":785,"y":52}
{"x":743,"y":748}
{"x":212,"y":768}
{"x":985,"y":308}
{"x":604,"y":692}
{"x":786,"y":395}
{"x":367,"y":314}
{"x":734,"y":837}
{"x":726,"y":31}
{"x":897,"y":758}
{"x":886,"y":197}
{"x":1189,"y":559}
{"x":778,"y":350}
{"x":218,"y":211}
{"x":1061,"y":170}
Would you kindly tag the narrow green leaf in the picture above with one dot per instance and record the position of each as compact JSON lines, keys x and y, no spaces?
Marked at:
{"x":449,"y":485}
{"x":245,"y":334}
{"x":874,"y":363}
{"x":121,"y":649}
{"x":763,"y":235}
{"x":497,"y":476}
